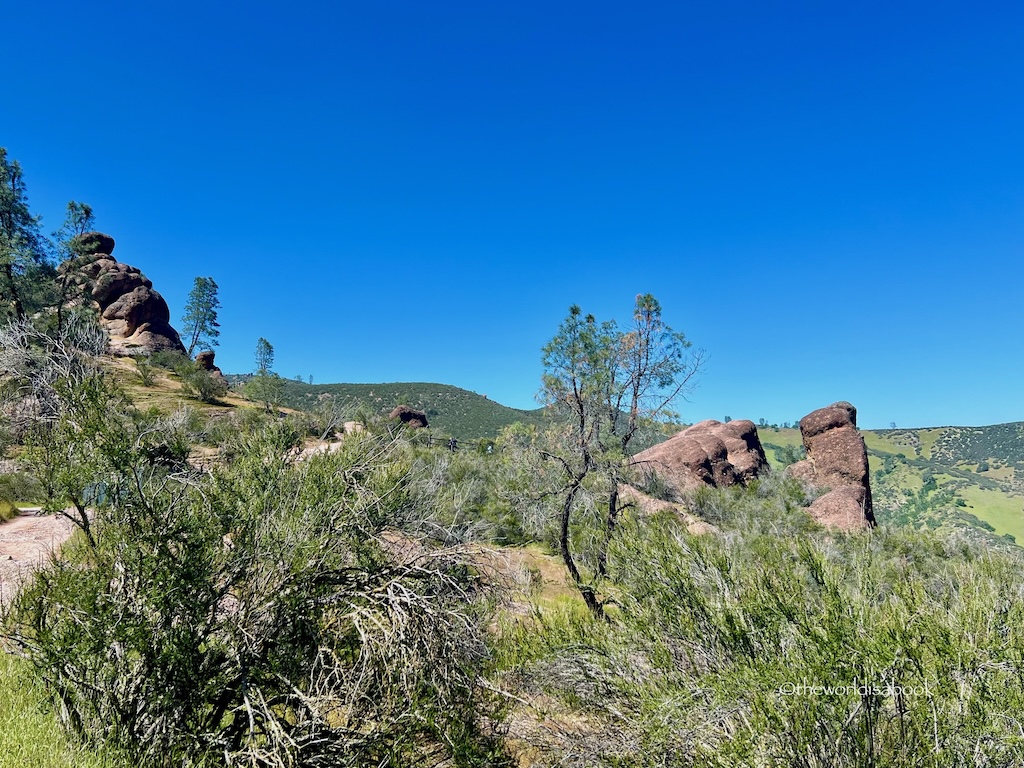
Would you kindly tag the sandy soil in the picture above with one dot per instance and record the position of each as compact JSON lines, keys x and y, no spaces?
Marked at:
{"x":25,"y":543}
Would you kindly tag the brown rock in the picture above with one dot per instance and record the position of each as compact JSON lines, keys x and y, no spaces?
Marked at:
{"x":134,"y":315}
{"x":409,"y":416}
{"x":141,"y":305}
{"x":708,"y":453}
{"x":93,"y":242}
{"x":842,"y":508}
{"x":837,"y":461}
{"x":205,"y":360}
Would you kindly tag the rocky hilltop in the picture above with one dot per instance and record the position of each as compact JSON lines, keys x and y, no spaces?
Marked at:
{"x":134,"y":315}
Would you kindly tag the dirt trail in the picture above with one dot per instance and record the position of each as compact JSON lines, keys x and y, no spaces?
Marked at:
{"x":25,"y":543}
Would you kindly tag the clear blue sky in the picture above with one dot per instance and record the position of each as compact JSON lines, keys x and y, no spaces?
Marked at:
{"x":827,"y":197}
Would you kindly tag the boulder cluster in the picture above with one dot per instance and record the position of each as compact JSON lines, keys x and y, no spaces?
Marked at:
{"x":837,"y":462}
{"x":134,"y":315}
{"x":708,"y":453}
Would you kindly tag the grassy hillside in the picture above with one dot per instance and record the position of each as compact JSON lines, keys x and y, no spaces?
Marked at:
{"x":941,"y":477}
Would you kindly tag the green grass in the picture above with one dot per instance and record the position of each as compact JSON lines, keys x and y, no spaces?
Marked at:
{"x":1002,"y":511}
{"x":929,"y":437}
{"x":30,"y":736}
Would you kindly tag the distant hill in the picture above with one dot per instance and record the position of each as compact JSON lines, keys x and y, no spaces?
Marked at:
{"x":454,"y":411}
{"x":941,"y":477}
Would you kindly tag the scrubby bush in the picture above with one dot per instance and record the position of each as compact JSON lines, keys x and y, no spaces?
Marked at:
{"x":266,"y":613}
{"x":199,"y":383}
{"x":779,"y":643}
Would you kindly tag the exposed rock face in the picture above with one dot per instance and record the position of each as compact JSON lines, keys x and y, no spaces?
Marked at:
{"x":134,"y":315}
{"x":837,"y":460}
{"x":205,"y":361}
{"x":410,"y":416}
{"x":708,"y":453}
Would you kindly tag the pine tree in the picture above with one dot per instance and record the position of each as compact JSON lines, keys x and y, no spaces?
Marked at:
{"x":199,"y":323}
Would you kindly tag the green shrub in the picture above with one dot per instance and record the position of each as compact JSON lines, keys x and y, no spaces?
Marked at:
{"x":145,"y":368}
{"x":722,"y":647}
{"x":18,"y":486}
{"x":263,"y":613}
{"x":7,"y":510}
{"x":200,"y":384}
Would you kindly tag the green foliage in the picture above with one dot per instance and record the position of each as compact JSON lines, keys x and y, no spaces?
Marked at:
{"x":199,"y":323}
{"x":7,"y":509}
{"x":25,"y":269}
{"x":18,"y":486}
{"x":145,"y":369}
{"x":29,"y":733}
{"x":265,"y":613}
{"x":169,"y":359}
{"x":778,"y":643}
{"x":606,"y":383}
{"x":264,"y":356}
{"x":201,"y":384}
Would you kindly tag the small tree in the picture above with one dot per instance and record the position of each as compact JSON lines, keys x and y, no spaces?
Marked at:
{"x":199,"y":323}
{"x":23,"y":249}
{"x":266,"y":386}
{"x":607,"y":383}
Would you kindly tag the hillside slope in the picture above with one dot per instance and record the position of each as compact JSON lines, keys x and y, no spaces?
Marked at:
{"x":454,"y":411}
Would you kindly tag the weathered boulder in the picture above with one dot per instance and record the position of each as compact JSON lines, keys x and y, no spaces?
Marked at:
{"x":134,"y":315}
{"x":409,"y":416}
{"x":837,"y":461}
{"x":708,"y":453}
{"x":93,"y":242}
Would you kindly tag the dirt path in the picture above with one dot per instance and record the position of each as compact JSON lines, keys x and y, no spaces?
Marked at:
{"x":25,"y":543}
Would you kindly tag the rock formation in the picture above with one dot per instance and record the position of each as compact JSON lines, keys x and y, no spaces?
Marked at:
{"x":409,"y":416}
{"x":837,"y":461}
{"x":205,"y":361}
{"x":135,"y":316}
{"x":708,"y":453}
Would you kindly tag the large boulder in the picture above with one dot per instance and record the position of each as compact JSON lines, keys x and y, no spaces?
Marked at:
{"x":708,"y":453}
{"x":409,"y":416}
{"x":93,"y":242}
{"x":837,"y":462}
{"x":135,"y":316}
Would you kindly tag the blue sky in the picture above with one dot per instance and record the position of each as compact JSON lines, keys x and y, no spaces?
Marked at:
{"x":828,"y":198}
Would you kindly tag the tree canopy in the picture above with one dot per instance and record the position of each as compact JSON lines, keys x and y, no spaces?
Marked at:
{"x":199,"y":323}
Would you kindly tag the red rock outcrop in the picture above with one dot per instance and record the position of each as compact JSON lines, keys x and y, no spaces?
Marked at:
{"x":708,"y":453}
{"x":135,"y":316}
{"x":409,"y":416}
{"x":837,"y":460}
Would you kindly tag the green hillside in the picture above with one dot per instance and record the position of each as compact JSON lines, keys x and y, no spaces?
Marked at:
{"x":451,"y":410}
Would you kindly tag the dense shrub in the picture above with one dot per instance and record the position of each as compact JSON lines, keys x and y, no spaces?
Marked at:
{"x":266,"y":613}
{"x":777,"y":643}
{"x":199,"y":383}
